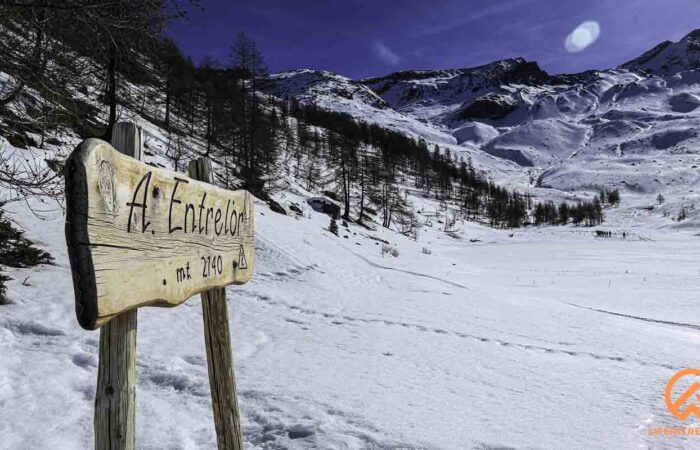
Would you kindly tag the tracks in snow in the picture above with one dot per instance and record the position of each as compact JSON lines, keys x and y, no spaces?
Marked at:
{"x":343,"y":319}
{"x":643,"y":319}
{"x":409,"y":272}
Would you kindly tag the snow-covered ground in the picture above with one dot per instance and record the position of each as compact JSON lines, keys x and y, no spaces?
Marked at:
{"x":546,"y":339}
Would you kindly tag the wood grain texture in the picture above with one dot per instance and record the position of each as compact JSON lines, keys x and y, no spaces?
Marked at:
{"x":143,"y":236}
{"x":217,"y":338}
{"x":115,"y":397}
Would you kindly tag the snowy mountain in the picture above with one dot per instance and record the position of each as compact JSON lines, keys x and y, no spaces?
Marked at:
{"x":306,"y":84}
{"x":670,"y":57}
{"x":339,"y":93}
{"x":631,"y":127}
{"x":427,"y":93}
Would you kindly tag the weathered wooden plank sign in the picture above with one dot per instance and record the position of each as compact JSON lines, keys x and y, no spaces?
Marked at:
{"x":143,"y":236}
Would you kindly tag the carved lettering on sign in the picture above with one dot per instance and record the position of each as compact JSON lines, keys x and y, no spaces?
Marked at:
{"x":139,"y":235}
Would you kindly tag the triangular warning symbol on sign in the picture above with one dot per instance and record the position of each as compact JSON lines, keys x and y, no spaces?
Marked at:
{"x":242,"y":263}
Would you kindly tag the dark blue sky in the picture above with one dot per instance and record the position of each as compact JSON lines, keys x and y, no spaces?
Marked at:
{"x":368,"y":38}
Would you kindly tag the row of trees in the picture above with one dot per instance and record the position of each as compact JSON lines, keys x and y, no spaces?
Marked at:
{"x":220,"y":103}
{"x":584,"y":213}
{"x":610,"y":197}
{"x":372,"y":162}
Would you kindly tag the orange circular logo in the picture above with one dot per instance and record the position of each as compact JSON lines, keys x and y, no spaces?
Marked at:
{"x":688,"y":401}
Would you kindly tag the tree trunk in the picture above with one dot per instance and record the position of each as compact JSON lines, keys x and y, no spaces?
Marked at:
{"x":112,"y":89}
{"x":209,"y":131}
{"x":167,"y":104}
{"x":346,"y":184}
{"x":362,"y":201}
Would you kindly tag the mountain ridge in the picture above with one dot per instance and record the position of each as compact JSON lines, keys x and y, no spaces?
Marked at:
{"x":628,"y":127}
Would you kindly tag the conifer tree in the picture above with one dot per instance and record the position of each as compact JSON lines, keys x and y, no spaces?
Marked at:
{"x":333,"y":227}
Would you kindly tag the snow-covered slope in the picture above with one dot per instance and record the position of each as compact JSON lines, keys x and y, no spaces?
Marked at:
{"x":341,"y":94}
{"x":469,"y":339}
{"x":670,"y":57}
{"x":338,"y":93}
{"x":632,"y":127}
{"x":309,"y":85}
{"x":435,"y":95}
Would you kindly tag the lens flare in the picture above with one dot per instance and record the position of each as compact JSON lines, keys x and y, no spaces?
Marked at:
{"x":582,"y":36}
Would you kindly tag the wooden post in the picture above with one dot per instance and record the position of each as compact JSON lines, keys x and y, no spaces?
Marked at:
{"x":115,"y":399}
{"x":217,"y":338}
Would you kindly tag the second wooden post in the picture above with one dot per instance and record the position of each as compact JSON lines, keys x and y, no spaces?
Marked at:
{"x":217,"y":338}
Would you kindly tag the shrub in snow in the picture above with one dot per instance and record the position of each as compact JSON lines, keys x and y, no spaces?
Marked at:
{"x":277,"y":207}
{"x":682,"y":215}
{"x":332,"y":195}
{"x":389,"y":250}
{"x":295,"y":208}
{"x":17,"y":251}
{"x":3,"y":289}
{"x":333,"y":227}
{"x":450,"y":221}
{"x":323,"y":205}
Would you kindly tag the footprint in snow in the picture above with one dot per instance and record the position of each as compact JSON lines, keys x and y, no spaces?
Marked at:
{"x":36,"y":329}
{"x":84,"y":360}
{"x":195,"y":360}
{"x":301,"y":431}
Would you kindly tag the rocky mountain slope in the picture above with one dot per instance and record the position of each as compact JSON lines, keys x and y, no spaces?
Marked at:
{"x":671,"y":57}
{"x":632,"y":127}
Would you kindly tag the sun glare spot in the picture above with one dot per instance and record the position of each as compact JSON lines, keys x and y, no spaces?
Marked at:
{"x":582,"y":36}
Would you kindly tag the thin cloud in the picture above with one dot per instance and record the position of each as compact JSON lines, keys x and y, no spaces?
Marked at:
{"x":478,"y":14}
{"x":385,"y":54}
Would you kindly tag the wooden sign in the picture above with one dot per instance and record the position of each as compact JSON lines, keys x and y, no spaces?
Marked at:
{"x":142,"y":236}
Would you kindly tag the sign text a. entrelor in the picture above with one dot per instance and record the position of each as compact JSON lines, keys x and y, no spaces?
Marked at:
{"x":140,"y":235}
{"x":198,"y":216}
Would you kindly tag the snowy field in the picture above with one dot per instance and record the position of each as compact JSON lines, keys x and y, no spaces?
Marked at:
{"x":547,"y":339}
